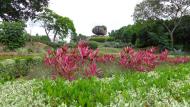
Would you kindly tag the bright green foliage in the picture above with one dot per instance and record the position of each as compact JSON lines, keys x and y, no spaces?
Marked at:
{"x":21,"y":94}
{"x":102,"y":39}
{"x":166,"y":86}
{"x":12,"y":34}
{"x":39,"y":38}
{"x":11,"y":69}
{"x":92,"y":44}
{"x":163,"y":87}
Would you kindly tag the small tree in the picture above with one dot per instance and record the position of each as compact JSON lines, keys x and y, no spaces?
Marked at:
{"x":163,"y":10}
{"x":55,"y":24}
{"x":12,"y":34}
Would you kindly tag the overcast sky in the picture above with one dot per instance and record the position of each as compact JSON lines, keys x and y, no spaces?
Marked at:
{"x":88,"y":13}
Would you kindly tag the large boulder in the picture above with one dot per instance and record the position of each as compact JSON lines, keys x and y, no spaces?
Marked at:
{"x":99,"y":30}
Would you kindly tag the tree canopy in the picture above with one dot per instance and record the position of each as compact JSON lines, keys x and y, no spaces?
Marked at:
{"x":163,"y":10}
{"x":21,"y":9}
{"x":56,"y":24}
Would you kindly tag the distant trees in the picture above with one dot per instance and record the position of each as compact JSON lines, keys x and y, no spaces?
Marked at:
{"x":163,"y":10}
{"x":145,"y":33}
{"x":55,"y":24}
{"x":21,"y":9}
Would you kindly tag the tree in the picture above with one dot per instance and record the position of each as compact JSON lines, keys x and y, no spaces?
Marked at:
{"x":21,"y":9}
{"x":163,"y":10}
{"x":46,"y":19}
{"x":55,"y":24}
{"x":12,"y":34}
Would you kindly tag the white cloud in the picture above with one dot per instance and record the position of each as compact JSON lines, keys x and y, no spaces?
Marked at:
{"x":88,"y":13}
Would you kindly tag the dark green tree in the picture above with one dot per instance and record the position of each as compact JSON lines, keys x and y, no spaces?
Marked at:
{"x":163,"y":10}
{"x":12,"y":34}
{"x":21,"y":9}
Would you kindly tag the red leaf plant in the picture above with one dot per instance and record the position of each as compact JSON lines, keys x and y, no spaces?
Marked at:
{"x":92,"y":70}
{"x":107,"y":58}
{"x":142,"y":60}
{"x":178,"y":60}
{"x":67,"y":62}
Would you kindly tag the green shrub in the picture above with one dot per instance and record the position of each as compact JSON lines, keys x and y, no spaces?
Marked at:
{"x":93,"y":45}
{"x":102,"y":39}
{"x":11,"y":69}
{"x":62,"y":92}
{"x":72,"y":45}
{"x":115,"y":44}
{"x":37,"y":38}
{"x":12,"y":34}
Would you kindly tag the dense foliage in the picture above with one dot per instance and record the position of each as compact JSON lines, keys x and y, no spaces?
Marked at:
{"x":166,"y":86}
{"x":153,"y":33}
{"x":163,"y":10}
{"x":21,"y":9}
{"x":11,"y":69}
{"x":102,"y":39}
{"x":82,"y":61}
{"x":12,"y":34}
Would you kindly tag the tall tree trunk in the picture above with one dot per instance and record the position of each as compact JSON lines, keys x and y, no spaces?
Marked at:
{"x":54,"y":36}
{"x":172,"y":39}
{"x":47,"y":33}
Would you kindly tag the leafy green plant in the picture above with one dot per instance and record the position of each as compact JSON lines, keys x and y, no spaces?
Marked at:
{"x":102,"y":39}
{"x":92,"y":44}
{"x":11,"y":69}
{"x":12,"y":34}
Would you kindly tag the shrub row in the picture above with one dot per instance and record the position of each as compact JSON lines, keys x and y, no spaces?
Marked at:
{"x":102,"y":39}
{"x":116,"y":44}
{"x":14,"y":68}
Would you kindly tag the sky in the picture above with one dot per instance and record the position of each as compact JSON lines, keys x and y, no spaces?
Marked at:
{"x":88,"y":13}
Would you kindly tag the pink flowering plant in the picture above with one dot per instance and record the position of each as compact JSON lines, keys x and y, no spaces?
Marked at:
{"x":83,"y":61}
{"x":67,"y":62}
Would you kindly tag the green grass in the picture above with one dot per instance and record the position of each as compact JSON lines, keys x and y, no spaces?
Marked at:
{"x":107,"y":50}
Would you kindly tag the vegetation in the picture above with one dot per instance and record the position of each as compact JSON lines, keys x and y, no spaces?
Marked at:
{"x":149,"y":33}
{"x":56,"y":24}
{"x":102,"y":39}
{"x":163,"y":10}
{"x":12,"y":34}
{"x":135,"y":66}
{"x":169,"y":83}
{"x":21,"y":9}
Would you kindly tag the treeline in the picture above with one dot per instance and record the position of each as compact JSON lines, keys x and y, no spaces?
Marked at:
{"x":146,"y":33}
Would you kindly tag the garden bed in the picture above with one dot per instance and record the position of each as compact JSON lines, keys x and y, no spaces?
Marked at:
{"x":167,"y":86}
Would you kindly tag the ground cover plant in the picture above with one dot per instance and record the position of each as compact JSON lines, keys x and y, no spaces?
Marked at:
{"x":167,"y":85}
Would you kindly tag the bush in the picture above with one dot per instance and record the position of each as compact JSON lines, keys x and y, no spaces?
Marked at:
{"x":72,"y":45}
{"x":102,"y":39}
{"x":115,"y":44}
{"x":12,"y":34}
{"x":14,"y":68}
{"x":93,"y":45}
{"x":43,"y":39}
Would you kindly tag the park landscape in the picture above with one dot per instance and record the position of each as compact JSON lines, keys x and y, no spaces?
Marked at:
{"x":145,"y":64}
